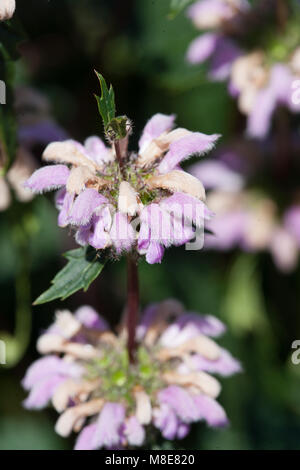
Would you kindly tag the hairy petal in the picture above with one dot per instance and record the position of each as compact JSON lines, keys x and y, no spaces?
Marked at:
{"x":85,"y":205}
{"x":178,"y":181}
{"x":195,"y":143}
{"x":69,"y":151}
{"x":48,"y":178}
{"x":158,"y":124}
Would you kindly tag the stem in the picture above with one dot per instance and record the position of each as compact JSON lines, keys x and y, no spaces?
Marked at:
{"x":132,"y":305}
{"x":118,"y":154}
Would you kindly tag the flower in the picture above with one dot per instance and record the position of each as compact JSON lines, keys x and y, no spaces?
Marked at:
{"x":143,"y":204}
{"x":7,"y":9}
{"x":111,"y":403}
{"x":247,"y":218}
{"x":261,"y":76}
{"x":261,"y":87}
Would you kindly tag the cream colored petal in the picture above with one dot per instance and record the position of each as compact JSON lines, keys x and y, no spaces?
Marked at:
{"x":205,"y":382}
{"x":247,"y":99}
{"x":167,"y":310}
{"x":72,"y":388}
{"x":67,"y":152}
{"x":127,"y":201}
{"x":67,"y":323}
{"x":49,"y":343}
{"x":157,"y":147}
{"x":68,"y":420}
{"x":81,"y":351}
{"x":143,"y":406}
{"x":178,"y":181}
{"x":199,"y":344}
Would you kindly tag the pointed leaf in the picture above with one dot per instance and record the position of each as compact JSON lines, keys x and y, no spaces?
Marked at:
{"x":106,"y":103}
{"x":83,"y":267}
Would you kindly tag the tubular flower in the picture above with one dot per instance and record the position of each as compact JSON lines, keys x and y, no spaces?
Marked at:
{"x":147,"y":202}
{"x":111,"y":403}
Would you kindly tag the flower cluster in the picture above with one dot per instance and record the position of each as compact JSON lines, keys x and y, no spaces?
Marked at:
{"x":261,"y":77}
{"x":248,"y":219}
{"x":144,"y":201}
{"x":112,"y":403}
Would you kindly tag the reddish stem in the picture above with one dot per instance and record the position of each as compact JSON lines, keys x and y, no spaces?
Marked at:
{"x":132,"y":305}
{"x":118,"y":154}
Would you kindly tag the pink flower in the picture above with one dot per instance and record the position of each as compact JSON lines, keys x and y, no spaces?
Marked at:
{"x":112,"y":404}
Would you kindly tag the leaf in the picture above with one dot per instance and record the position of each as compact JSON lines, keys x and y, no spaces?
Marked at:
{"x":177,"y":6}
{"x":106,"y":103}
{"x":83,"y":267}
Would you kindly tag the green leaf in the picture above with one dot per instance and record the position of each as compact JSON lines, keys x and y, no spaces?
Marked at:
{"x":106,"y":103}
{"x":83,"y":267}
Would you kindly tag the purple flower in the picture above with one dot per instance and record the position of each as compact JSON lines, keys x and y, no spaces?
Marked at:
{"x":109,"y":209}
{"x":180,"y":401}
{"x":112,"y":404}
{"x":109,"y":426}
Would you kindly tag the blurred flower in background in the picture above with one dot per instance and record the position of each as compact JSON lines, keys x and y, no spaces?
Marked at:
{"x":261,"y":71}
{"x":247,"y":218}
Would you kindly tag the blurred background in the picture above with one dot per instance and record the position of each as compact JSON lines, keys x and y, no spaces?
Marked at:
{"x":141,"y":49}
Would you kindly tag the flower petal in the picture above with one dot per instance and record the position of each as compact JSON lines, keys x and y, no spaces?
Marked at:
{"x":202,"y":48}
{"x":48,"y":178}
{"x":85,"y":205}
